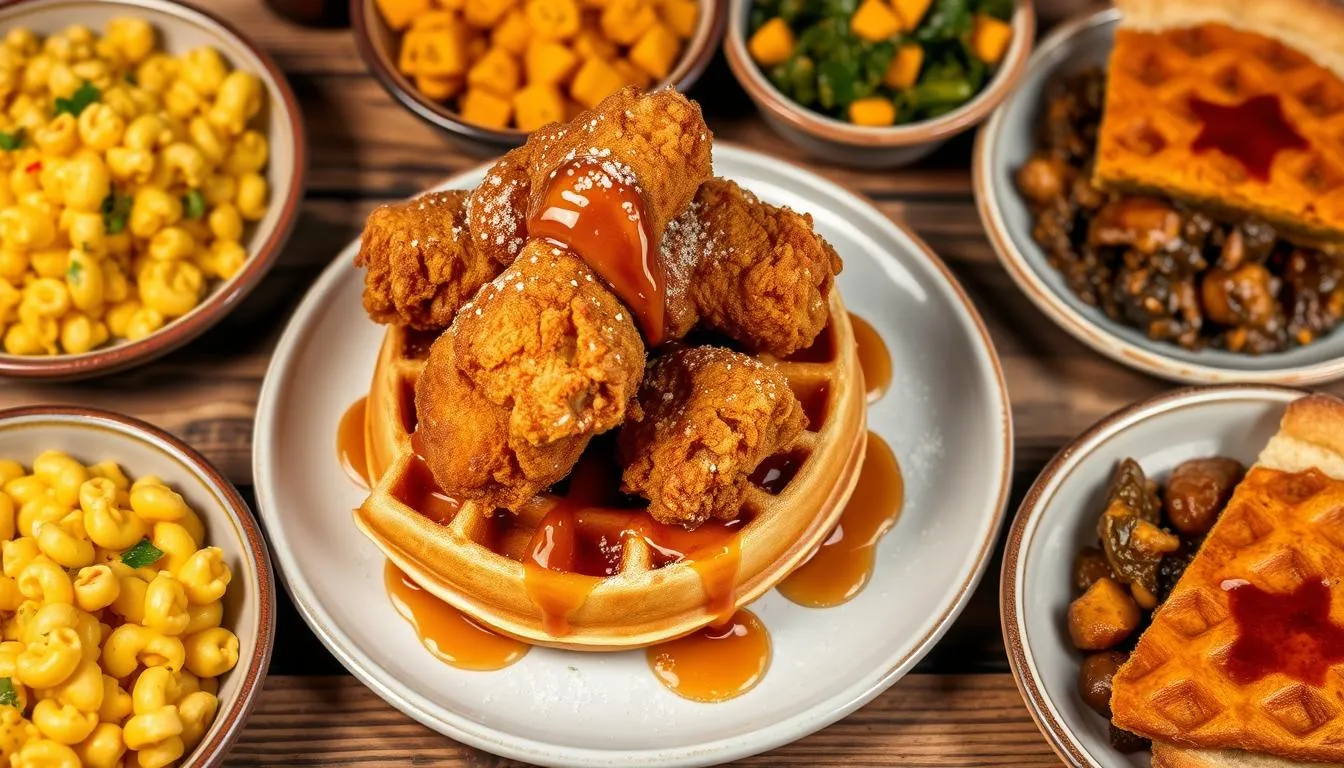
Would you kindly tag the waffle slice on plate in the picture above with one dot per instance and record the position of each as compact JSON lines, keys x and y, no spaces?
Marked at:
{"x":663,"y":582}
{"x":1243,"y":666}
{"x":1232,"y":105}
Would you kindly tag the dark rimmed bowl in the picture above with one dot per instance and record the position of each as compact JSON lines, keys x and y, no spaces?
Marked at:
{"x":1059,"y":515}
{"x":180,"y":28}
{"x":92,"y":435}
{"x":882,"y":147}
{"x":377,"y":44}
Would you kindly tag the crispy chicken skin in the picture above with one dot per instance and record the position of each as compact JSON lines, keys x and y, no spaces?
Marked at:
{"x":466,"y":442}
{"x":420,"y":265}
{"x":759,"y":273}
{"x":660,"y":137}
{"x":548,"y":341}
{"x":706,"y":417}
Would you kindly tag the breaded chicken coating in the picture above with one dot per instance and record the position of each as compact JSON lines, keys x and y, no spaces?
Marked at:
{"x":706,"y":418}
{"x":762,"y":275}
{"x":496,"y":213}
{"x":466,"y":442}
{"x":548,"y":341}
{"x":420,"y":265}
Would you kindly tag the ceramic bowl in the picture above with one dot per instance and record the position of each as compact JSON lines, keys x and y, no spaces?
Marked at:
{"x":180,"y":28}
{"x":90,"y":436}
{"x":378,"y":45}
{"x":1005,"y":144}
{"x":848,"y":144}
{"x":1059,"y":516}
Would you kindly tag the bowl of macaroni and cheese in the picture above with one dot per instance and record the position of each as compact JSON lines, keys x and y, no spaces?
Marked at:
{"x":136,"y":596}
{"x":151,"y":168}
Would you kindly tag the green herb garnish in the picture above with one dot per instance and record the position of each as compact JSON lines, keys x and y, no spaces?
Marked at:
{"x":133,"y":80}
{"x":193,"y":204}
{"x":87,"y":94}
{"x":9,"y":697}
{"x":141,"y":555}
{"x":116,"y":209}
{"x":75,"y":272}
{"x":11,"y":141}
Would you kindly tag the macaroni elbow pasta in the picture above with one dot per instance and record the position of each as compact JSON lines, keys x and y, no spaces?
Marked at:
{"x":114,"y":157}
{"x":114,"y":642}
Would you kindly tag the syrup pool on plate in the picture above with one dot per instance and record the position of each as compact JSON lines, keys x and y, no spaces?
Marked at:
{"x":874,"y":359}
{"x":350,"y":446}
{"x":445,"y":631}
{"x":714,"y":663}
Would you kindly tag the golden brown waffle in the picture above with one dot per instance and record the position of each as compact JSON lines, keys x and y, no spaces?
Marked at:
{"x":473,"y":558}
{"x":1172,"y":54}
{"x":1188,"y":682}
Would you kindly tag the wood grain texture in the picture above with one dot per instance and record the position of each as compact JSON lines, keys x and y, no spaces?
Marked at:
{"x":930,"y":721}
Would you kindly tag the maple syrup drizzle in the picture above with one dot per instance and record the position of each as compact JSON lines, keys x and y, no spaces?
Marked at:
{"x":843,"y":565}
{"x":423,"y":494}
{"x":776,"y":472}
{"x":716,"y":663}
{"x":874,"y":359}
{"x":1290,"y":634}
{"x":448,"y":634}
{"x":1252,"y":132}
{"x":590,"y":210}
{"x":351,"y":448}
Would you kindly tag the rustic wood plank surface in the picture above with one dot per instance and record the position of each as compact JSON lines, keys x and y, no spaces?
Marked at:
{"x":366,"y":150}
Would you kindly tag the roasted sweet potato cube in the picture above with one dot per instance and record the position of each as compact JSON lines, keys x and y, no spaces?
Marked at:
{"x":875,"y":21}
{"x":553,"y":19}
{"x":400,"y":13}
{"x":538,"y":105}
{"x":497,"y":72}
{"x":657,"y":51}
{"x":438,"y":88}
{"x":595,"y":81}
{"x":486,"y":14}
{"x":484,"y":108}
{"x":905,"y":65}
{"x":624,"y":21}
{"x":772,"y":44}
{"x":1103,"y":616}
{"x":442,"y":53}
{"x":435,"y":20}
{"x":548,"y":63}
{"x":911,"y":12}
{"x":450,"y":5}
{"x":590,"y":44}
{"x":632,"y":74}
{"x":513,"y":33}
{"x":680,"y":16}
{"x":990,"y":38}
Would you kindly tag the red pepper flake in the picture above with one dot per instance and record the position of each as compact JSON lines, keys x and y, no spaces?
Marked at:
{"x":34,"y":167}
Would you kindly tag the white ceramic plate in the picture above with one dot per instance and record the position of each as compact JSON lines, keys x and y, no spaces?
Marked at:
{"x":946,"y":417}
{"x":1059,"y":516}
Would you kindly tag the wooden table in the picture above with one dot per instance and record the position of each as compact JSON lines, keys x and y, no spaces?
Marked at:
{"x":960,"y":706}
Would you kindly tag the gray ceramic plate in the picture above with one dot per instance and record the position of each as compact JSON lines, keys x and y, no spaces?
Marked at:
{"x":1059,"y":516}
{"x":1006,"y":142}
{"x":946,"y":417}
{"x":249,"y":605}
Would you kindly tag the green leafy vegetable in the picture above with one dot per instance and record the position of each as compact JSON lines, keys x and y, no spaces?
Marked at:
{"x":9,"y":697}
{"x":141,"y":555}
{"x":193,"y":204}
{"x":87,"y":94}
{"x":831,"y":67}
{"x":116,"y":209}
{"x":11,"y":141}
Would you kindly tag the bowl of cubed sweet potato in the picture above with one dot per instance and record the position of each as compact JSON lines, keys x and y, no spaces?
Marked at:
{"x":491,"y":71}
{"x":877,"y":83}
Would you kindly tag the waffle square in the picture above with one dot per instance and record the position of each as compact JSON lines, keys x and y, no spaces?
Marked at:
{"x":1199,"y":677}
{"x":1227,"y":112}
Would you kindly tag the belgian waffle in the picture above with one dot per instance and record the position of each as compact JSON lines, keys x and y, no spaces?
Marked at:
{"x":472,"y":557}
{"x":1282,"y":531}
{"x":1169,"y":54}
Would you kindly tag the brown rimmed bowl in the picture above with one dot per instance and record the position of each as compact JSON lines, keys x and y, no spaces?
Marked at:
{"x":378,"y":45}
{"x":855,"y":145}
{"x":1059,"y":515}
{"x":182,"y":27}
{"x":91,"y":435}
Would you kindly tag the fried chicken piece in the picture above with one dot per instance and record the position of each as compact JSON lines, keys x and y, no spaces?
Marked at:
{"x":548,"y":341}
{"x":466,"y":442}
{"x":761,"y":274}
{"x":706,"y":418}
{"x":497,"y":209}
{"x":421,"y":267}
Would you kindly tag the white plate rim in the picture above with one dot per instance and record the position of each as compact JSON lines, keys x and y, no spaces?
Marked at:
{"x":1097,"y":335}
{"x":497,"y":742}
